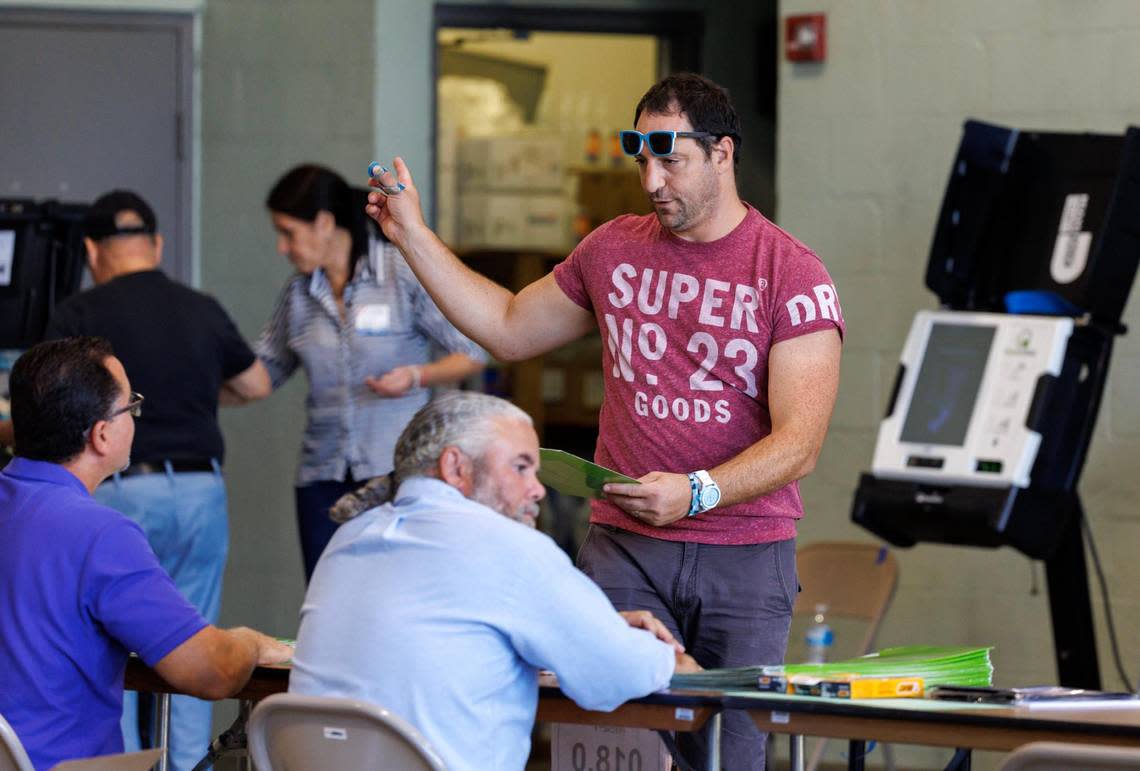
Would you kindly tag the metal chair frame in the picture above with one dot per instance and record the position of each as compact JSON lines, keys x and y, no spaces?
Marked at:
{"x":13,"y":757}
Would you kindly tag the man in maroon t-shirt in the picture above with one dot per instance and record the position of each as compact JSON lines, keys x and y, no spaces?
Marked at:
{"x":721,"y":361}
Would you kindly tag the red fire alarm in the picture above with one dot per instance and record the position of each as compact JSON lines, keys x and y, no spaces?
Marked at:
{"x":805,"y":37}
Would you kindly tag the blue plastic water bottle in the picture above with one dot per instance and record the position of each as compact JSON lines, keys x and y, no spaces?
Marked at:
{"x":819,"y":636}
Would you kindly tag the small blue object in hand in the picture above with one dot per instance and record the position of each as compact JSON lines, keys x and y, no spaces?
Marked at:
{"x":375,"y":170}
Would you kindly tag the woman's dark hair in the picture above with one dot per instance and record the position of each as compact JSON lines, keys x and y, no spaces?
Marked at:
{"x":308,"y":189}
{"x":703,"y":102}
{"x":58,"y":390}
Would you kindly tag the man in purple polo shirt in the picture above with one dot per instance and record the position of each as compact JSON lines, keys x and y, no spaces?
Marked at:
{"x":79,"y":585}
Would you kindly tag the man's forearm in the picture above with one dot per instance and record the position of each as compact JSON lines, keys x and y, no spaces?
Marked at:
{"x":449,"y":369}
{"x":800,"y":417}
{"x":512,"y":327}
{"x":660,"y":498}
{"x":248,"y":386}
{"x":773,"y":462}
{"x":215,"y":663}
{"x":228,"y":397}
{"x":477,"y":306}
{"x":243,"y":655}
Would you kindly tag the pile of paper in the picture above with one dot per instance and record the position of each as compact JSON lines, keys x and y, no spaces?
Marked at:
{"x":898,"y":668}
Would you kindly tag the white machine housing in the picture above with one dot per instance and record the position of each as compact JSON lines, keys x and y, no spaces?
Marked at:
{"x":966,"y":391}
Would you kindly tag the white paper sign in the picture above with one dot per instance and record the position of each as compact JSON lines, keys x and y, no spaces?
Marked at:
{"x":7,"y":256}
{"x":586,"y":747}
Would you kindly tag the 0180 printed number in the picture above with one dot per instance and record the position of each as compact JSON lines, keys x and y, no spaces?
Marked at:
{"x":604,"y":759}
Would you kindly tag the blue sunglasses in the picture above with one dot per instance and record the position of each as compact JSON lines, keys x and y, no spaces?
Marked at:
{"x":659,"y":142}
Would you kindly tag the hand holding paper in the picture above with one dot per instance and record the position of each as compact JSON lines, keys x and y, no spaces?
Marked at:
{"x":657,"y":499}
{"x":571,"y":475}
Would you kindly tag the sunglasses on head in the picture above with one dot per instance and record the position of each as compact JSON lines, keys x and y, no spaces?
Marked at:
{"x":659,"y":142}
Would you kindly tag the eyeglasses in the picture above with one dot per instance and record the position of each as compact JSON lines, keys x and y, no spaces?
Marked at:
{"x":134,"y":406}
{"x":660,"y":142}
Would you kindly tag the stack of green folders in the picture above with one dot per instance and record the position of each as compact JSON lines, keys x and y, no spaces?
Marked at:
{"x":936,"y":665}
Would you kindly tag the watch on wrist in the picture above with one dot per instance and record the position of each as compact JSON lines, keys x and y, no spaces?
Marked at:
{"x":706,"y":492}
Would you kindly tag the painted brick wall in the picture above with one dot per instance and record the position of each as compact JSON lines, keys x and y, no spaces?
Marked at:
{"x":864,"y":146}
{"x":283,"y":82}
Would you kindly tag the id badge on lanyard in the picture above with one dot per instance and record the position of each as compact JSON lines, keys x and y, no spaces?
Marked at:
{"x":373,"y":319}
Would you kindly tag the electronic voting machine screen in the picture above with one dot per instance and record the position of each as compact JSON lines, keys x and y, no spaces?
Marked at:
{"x":967,"y":385}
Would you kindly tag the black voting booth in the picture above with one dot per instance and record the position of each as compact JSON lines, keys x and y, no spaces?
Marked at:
{"x":1053,"y":219}
{"x":41,"y":263}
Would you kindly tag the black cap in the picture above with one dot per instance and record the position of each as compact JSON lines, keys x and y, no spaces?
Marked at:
{"x":101,"y":220}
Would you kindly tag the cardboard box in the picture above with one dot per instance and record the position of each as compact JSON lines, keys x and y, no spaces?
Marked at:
{"x":495,"y":220}
{"x":607,"y":193}
{"x":525,"y":162}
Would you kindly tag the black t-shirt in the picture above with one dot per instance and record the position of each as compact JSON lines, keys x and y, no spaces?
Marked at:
{"x":177,"y":345}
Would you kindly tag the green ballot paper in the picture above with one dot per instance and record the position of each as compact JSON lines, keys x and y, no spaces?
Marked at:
{"x":572,"y":475}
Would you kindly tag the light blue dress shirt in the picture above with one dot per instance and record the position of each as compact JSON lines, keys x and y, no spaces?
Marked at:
{"x":390,"y":322}
{"x":443,"y":611}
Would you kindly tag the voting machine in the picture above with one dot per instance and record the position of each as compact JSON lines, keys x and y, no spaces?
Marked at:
{"x":997,"y":392}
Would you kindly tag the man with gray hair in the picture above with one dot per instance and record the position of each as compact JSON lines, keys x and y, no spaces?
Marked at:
{"x":442,"y":609}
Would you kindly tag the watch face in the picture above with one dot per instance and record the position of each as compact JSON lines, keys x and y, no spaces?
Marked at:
{"x":710,"y":496}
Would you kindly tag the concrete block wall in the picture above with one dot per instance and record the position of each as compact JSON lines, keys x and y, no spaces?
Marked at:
{"x":283,"y":82}
{"x":864,"y":147}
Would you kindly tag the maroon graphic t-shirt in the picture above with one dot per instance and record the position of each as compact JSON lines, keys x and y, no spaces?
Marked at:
{"x":686,"y":330}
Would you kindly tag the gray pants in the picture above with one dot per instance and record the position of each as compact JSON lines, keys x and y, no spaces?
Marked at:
{"x":731,"y":606}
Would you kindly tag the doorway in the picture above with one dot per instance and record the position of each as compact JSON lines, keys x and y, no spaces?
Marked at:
{"x":527,"y":111}
{"x":92,"y":101}
{"x":565,"y":74}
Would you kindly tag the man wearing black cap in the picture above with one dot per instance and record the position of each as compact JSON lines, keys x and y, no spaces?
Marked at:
{"x":181,"y":349}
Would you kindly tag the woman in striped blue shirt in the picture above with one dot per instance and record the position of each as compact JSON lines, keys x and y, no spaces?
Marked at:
{"x":359,"y":323}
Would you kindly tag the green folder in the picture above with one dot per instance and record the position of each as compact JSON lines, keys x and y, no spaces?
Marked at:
{"x":936,"y":665}
{"x":569,"y":474}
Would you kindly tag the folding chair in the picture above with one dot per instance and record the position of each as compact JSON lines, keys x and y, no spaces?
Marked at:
{"x":1055,"y":756}
{"x":291,"y":732}
{"x":12,"y":754}
{"x":856,"y":581}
